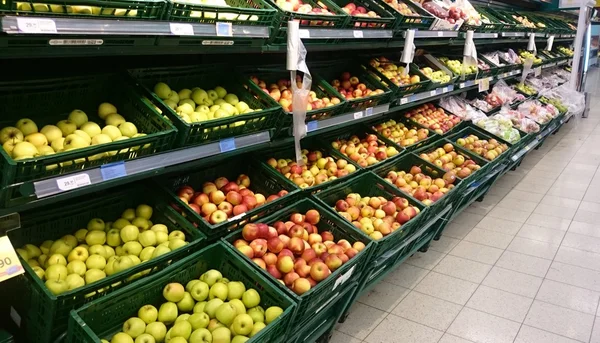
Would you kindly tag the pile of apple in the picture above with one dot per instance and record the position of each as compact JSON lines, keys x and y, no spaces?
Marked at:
{"x":198,"y":105}
{"x":300,"y":7}
{"x":401,"y":134}
{"x":359,"y":11}
{"x":488,"y":149}
{"x":209,"y":309}
{"x":566,"y":51}
{"x":525,"y":55}
{"x":433,"y":118}
{"x":294,"y":252}
{"x":451,"y":161}
{"x":316,"y":170}
{"x":222,"y":199}
{"x":456,"y":66}
{"x":26,"y":141}
{"x":282,"y":93}
{"x":366,"y":151}
{"x":376,"y":217}
{"x":422,"y":186}
{"x":101,"y":249}
{"x":393,"y":72}
{"x":351,"y":88}
{"x":402,"y":8}
{"x":436,"y":76}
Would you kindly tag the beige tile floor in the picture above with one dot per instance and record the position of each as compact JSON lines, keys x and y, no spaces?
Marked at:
{"x":522,"y":266}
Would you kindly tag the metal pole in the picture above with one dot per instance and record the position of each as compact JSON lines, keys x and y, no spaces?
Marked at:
{"x":582,"y":25}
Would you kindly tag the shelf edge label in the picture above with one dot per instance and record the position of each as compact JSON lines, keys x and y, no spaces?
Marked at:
{"x":113,"y":170}
{"x":10,"y":266}
{"x":227,"y":144}
{"x":36,"y":25}
{"x":71,"y":182}
{"x":224,"y":29}
{"x":181,"y":29}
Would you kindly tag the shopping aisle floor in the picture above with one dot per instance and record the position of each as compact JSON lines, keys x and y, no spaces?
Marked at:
{"x":522,"y":266}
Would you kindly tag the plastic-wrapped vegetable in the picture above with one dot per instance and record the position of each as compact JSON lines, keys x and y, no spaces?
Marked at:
{"x":519,"y":120}
{"x":498,"y":125}
{"x":535,"y":110}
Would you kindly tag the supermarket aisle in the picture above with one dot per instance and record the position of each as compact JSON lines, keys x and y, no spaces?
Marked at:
{"x":522,"y":266}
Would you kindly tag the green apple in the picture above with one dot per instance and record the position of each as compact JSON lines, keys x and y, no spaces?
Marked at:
{"x":109,"y":251}
{"x":160,"y":228}
{"x":112,"y":132}
{"x":60,"y":246}
{"x":95,"y":262}
{"x":221,"y":335}
{"x":113,"y":237}
{"x":221,"y":113}
{"x":236,"y":290}
{"x":158,"y":330}
{"x":129,"y":233}
{"x":185,"y":93}
{"x":226,"y":313}
{"x":115,"y":119}
{"x":42,"y":260}
{"x":98,"y":250}
{"x":26,"y":126}
{"x":213,"y":324}
{"x":256,"y":329}
{"x":146,"y":253}
{"x":37,"y":139}
{"x":242,"y":107}
{"x":57,"y":286}
{"x":181,"y":329}
{"x":121,"y":223}
{"x":176,"y":244}
{"x":93,"y":275}
{"x":78,"y":117}
{"x":167,"y":313}
{"x":141,"y":223}
{"x":200,"y":335}
{"x":272,"y":313}
{"x":231,"y":99}
{"x":199,"y":290}
{"x":122,"y":263}
{"x":162,"y":237}
{"x":199,"y":96}
{"x":178,"y":340}
{"x":51,"y":132}
{"x":211,"y":277}
{"x":134,"y":327}
{"x":160,"y":250}
{"x":128,"y":214}
{"x":67,"y":127}
{"x":24,"y":150}
{"x":58,"y":144}
{"x":11,"y":134}
{"x":32,"y":251}
{"x":56,"y":259}
{"x":101,"y":139}
{"x":251,"y":298}
{"x":96,"y":224}
{"x":76,"y":267}
{"x":257,"y":315}
{"x":145,"y":338}
{"x":110,"y":269}
{"x":187,"y":303}
{"x":45,"y":150}
{"x":212,"y":95}
{"x":39,"y":271}
{"x":132,"y":248}
{"x":162,"y":90}
{"x":136,"y":260}
{"x":218,"y":290}
{"x":121,"y":338}
{"x":187,"y":101}
{"x":242,"y":324}
{"x":46,"y":246}
{"x":190,"y":285}
{"x":239,"y":306}
{"x":185,"y":108}
{"x":80,"y":235}
{"x":105,"y":109}
{"x":182,"y":317}
{"x":56,"y":272}
{"x":23,"y":253}
{"x":148,"y":313}
{"x":95,"y":237}
{"x":74,"y":281}
{"x":211,"y":307}
{"x":174,"y":292}
{"x":84,"y":135}
{"x":199,"y":320}
{"x":199,"y":307}
{"x":77,"y":254}
{"x":221,"y":92}
{"x":70,"y":240}
{"x":75,"y":141}
{"x":173,"y":96}
{"x":239,"y":339}
{"x":128,"y":129}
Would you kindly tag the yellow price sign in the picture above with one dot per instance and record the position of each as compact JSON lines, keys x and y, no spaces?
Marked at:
{"x":10,"y":266}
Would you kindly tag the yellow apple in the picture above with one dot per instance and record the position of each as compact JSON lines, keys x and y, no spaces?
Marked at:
{"x":78,"y":117}
{"x":91,"y":128}
{"x":10,"y":133}
{"x":67,"y":127}
{"x":74,"y":141}
{"x":128,"y":129}
{"x":58,"y":144}
{"x":101,"y":139}
{"x":114,"y":119}
{"x":24,"y":150}
{"x":105,"y":109}
{"x":27,"y":126}
{"x":51,"y":132}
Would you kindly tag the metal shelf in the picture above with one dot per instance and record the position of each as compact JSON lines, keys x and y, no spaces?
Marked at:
{"x":317,"y":126}
{"x":319,"y":33}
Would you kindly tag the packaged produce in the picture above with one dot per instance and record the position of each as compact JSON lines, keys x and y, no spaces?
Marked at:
{"x":537,"y":111}
{"x":519,"y":120}
{"x":506,"y":94}
{"x":499,"y":125}
{"x":525,"y":89}
{"x":494,"y":57}
{"x":457,"y":105}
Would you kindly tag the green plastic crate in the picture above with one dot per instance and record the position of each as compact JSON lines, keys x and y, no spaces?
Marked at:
{"x":47,"y":101}
{"x":262,"y":180}
{"x":397,"y":91}
{"x":421,"y":63}
{"x":369,"y":184}
{"x":209,"y":77}
{"x":474,"y":130}
{"x":334,"y":72}
{"x":421,"y":21}
{"x":239,"y":12}
{"x":361,"y":132}
{"x":397,"y":116}
{"x":105,"y":317}
{"x":44,"y":315}
{"x":494,"y":24}
{"x":289,"y":152}
{"x":114,"y":9}
{"x":387,"y":21}
{"x":311,"y":302}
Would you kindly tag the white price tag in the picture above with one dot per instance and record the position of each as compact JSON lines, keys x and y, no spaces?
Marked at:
{"x":236,"y":217}
{"x":179,"y":29}
{"x":72,"y":182}
{"x":537,"y":71}
{"x":403,"y":101}
{"x":445,"y":90}
{"x":36,"y":25}
{"x":10,"y":266}
{"x":358,"y":115}
{"x":342,"y":279}
{"x":304,"y":33}
{"x":440,"y":33}
{"x":358,"y":34}
{"x":224,"y":29}
{"x":369,"y":112}
{"x":484,"y":84}
{"x":432,"y":93}
{"x":462,"y":85}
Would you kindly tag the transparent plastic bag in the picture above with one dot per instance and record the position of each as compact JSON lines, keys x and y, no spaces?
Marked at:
{"x":498,"y":125}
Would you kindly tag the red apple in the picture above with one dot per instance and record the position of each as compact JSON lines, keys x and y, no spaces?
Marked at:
{"x":308,"y":254}
{"x":314,"y":238}
{"x":208,"y":187}
{"x":289,"y":278}
{"x":263,"y":230}
{"x":259,"y":246}
{"x":296,"y":218}
{"x":230,"y":187}
{"x":226,"y":207}
{"x":217,"y":197}
{"x":333,"y":262}
{"x":301,"y":286}
{"x":208,"y":209}
{"x":275,"y":245}
{"x":234,"y":198}
{"x":250,"y":232}
{"x":217,"y":217}
{"x":243,"y":180}
{"x":272,"y":269}
{"x":296,"y":231}
{"x":270,"y":258}
{"x":319,"y":271}
{"x":185,"y":192}
{"x":285,"y":252}
{"x":272,"y":233}
{"x":239,"y":242}
{"x":239,"y":209}
{"x":195,"y":208}
{"x":327,"y":236}
{"x":296,"y":245}
{"x":319,"y":248}
{"x":249,"y":201}
{"x":260,"y":262}
{"x":285,"y":264}
{"x":247,"y":250}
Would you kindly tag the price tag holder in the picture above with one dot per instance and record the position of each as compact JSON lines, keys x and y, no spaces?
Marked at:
{"x":403,"y":101}
{"x":227,"y":144}
{"x":113,"y":170}
{"x":304,"y":33}
{"x":484,"y":84}
{"x":462,"y":85}
{"x":311,"y":126}
{"x":181,"y":29}
{"x":445,"y":90}
{"x":369,"y":112}
{"x":36,"y":25}
{"x":440,"y":33}
{"x":236,"y":217}
{"x":71,"y":182}
{"x":224,"y":29}
{"x":342,"y":279}
{"x":432,"y":93}
{"x":537,"y":71}
{"x":10,"y":266}
{"x":358,"y":115}
{"x":358,"y":34}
